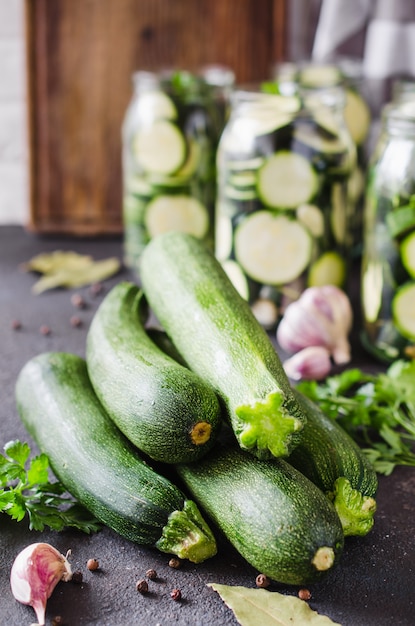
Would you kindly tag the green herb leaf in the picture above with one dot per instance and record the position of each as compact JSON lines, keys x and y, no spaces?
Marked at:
{"x":268,"y":608}
{"x":377,"y":410}
{"x":69,"y":269}
{"x":26,"y":492}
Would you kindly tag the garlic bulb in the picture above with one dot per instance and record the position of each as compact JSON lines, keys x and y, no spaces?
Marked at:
{"x":322,"y":316}
{"x":36,"y":571}
{"x":311,"y":363}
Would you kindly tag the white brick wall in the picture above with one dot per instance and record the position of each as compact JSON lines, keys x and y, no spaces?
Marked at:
{"x":14,"y":196}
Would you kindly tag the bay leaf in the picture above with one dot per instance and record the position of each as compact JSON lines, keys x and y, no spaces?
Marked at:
{"x":268,"y":608}
{"x":47,"y":262}
{"x":69,"y":269}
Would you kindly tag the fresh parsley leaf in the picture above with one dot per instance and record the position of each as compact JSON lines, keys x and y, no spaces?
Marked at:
{"x":377,"y":410}
{"x":26,"y":492}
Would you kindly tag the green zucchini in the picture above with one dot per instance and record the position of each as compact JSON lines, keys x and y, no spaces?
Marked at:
{"x":164,"y":409}
{"x":98,"y":466}
{"x":329,"y":457}
{"x":278,"y":520}
{"x":220,"y":339}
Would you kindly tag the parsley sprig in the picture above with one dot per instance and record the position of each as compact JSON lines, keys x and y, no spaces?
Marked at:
{"x":25,"y":491}
{"x":377,"y":410}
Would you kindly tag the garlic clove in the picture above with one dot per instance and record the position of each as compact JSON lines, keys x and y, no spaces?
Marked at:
{"x":311,"y":363}
{"x":300,"y":327}
{"x":322,"y":316}
{"x":36,"y":571}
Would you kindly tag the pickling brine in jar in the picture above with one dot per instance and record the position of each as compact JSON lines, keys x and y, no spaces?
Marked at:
{"x":170,"y":134}
{"x":388,"y":262}
{"x":282,"y":220}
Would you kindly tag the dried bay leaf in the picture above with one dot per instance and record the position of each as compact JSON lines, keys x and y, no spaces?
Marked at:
{"x":69,"y":269}
{"x":269,"y":608}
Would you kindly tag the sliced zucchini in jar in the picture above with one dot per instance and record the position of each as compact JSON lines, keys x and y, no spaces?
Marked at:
{"x":133,"y":209}
{"x":160,"y":148}
{"x":319,"y":75}
{"x":407,"y":251}
{"x":338,"y":214}
{"x":139,"y":186}
{"x":403,"y":310}
{"x":181,"y":212}
{"x":357,"y":116}
{"x":223,"y":237}
{"x":328,"y":269}
{"x":286,"y":180}
{"x":237,"y":277}
{"x":312,"y":218}
{"x":153,"y":105}
{"x":400,"y":221}
{"x":272,"y":249}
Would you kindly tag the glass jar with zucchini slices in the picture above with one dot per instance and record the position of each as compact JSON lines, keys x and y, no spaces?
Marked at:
{"x":170,"y":134}
{"x":388,"y":263}
{"x":345,"y":72}
{"x":282,"y":220}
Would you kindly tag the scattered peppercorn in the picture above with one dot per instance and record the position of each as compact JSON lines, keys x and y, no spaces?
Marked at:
{"x":304,"y":594}
{"x":176,"y":595}
{"x":92,"y":565}
{"x":76,"y":321}
{"x":78,"y":301}
{"x":16,"y":325}
{"x":142,"y":586}
{"x":262,"y":581}
{"x":96,"y":288}
{"x":77,"y":577}
{"x":151,"y":574}
{"x":57,"y":621}
{"x":175,"y":563}
{"x":45,"y":330}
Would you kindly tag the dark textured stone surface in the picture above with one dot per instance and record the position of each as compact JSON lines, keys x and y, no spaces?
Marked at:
{"x":372,"y":586}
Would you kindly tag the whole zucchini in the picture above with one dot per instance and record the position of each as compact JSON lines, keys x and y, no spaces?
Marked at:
{"x":330,"y":458}
{"x":98,"y":466}
{"x":279,"y":521}
{"x":163,"y":408}
{"x":216,"y":333}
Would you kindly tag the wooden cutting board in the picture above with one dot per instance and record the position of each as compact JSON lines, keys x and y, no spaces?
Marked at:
{"x":80,"y":58}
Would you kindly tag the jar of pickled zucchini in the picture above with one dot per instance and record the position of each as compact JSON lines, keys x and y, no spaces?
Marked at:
{"x":282,"y":220}
{"x":388,"y":262}
{"x":345,"y":72}
{"x":170,"y":134}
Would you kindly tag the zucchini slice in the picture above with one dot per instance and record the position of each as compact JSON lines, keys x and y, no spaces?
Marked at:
{"x":272,"y":249}
{"x":312,"y":217}
{"x":328,"y":269}
{"x":318,"y":75}
{"x":154,"y":105}
{"x":403,"y":310}
{"x":180,"y":212}
{"x":286,"y":180}
{"x":407,"y":251}
{"x":357,"y":116}
{"x":237,"y":277}
{"x":401,"y":221}
{"x":160,"y":148}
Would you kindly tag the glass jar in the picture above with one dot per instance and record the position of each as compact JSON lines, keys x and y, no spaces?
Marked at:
{"x":282,"y":219}
{"x":345,"y":72}
{"x":170,"y":135}
{"x":388,"y":263}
